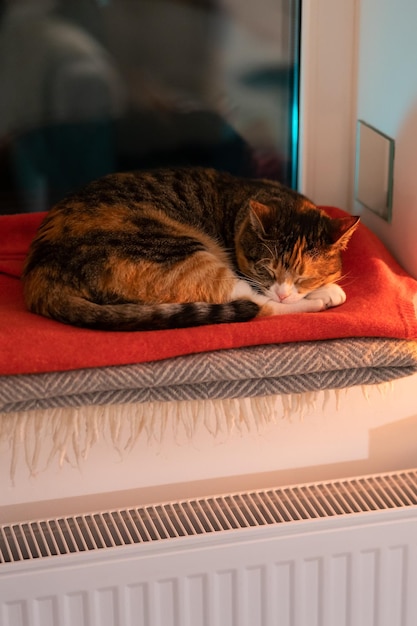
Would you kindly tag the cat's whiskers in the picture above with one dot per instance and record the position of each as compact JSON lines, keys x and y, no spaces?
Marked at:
{"x":253,"y":282}
{"x":273,"y":253}
{"x":345,"y":278}
{"x":263,"y":261}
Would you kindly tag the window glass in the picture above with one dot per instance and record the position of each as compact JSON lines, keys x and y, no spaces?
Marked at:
{"x":88,"y":87}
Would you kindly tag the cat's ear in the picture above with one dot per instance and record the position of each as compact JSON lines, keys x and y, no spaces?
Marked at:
{"x":342,"y":229}
{"x":261,"y":216}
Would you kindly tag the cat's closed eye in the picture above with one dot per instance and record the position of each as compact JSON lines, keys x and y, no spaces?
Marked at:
{"x":308,"y":283}
{"x":306,"y":279}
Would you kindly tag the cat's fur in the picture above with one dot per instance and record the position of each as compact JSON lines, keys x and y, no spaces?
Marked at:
{"x":183,"y":247}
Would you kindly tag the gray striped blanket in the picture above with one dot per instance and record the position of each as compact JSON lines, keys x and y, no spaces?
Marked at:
{"x":237,"y":373}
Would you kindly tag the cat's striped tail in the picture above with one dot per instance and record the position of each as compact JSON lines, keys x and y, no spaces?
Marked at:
{"x":129,"y":317}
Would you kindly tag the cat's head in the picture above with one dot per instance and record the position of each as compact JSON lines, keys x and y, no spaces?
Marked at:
{"x":289,"y":251}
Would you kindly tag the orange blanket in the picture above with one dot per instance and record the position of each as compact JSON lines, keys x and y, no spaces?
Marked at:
{"x":381,"y":300}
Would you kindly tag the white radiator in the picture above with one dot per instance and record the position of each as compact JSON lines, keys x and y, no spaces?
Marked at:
{"x":339,"y":553}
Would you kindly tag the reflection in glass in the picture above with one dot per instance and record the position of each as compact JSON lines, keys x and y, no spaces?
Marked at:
{"x":93,"y":86}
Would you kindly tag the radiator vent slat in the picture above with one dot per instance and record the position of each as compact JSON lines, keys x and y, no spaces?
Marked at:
{"x":108,"y":529}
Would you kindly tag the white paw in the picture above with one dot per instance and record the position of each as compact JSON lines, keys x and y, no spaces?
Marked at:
{"x":302,"y":306}
{"x":331,"y":295}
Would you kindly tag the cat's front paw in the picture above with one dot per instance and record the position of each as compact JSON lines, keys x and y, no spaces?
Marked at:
{"x":331,"y":295}
{"x":301,"y":306}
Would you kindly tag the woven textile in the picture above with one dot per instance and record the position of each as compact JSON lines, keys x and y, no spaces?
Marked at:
{"x":245,"y":372}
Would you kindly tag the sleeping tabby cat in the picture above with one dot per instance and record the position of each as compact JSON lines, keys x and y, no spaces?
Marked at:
{"x":183,"y":247}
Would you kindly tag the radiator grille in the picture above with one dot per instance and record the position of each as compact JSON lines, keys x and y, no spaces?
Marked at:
{"x":95,"y":531}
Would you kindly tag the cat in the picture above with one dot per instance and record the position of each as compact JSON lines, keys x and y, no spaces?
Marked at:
{"x":181,"y":247}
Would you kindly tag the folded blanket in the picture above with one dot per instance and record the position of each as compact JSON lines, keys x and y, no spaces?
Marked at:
{"x":381,"y":302}
{"x":292,"y":369}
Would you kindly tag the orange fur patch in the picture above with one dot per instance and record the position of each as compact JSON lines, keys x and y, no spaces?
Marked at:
{"x":201,"y":278}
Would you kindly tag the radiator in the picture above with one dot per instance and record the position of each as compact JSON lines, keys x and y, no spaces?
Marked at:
{"x":335,"y":553}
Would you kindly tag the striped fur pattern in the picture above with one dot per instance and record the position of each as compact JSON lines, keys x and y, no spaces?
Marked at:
{"x":183,"y":247}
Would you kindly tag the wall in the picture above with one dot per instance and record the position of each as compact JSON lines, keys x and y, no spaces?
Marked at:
{"x":387,"y":99}
{"x":359,"y":61}
{"x":328,"y":101}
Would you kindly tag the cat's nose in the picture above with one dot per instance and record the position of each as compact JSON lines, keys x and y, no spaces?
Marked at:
{"x":282,"y":291}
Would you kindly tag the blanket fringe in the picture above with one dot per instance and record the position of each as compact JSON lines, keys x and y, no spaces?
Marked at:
{"x":71,"y":433}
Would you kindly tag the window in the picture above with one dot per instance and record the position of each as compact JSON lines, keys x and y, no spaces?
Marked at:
{"x":88,"y":87}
